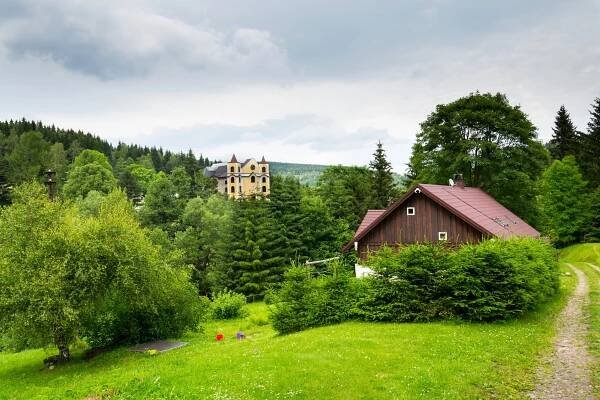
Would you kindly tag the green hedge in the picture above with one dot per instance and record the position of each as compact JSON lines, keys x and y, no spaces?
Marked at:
{"x":492,"y":280}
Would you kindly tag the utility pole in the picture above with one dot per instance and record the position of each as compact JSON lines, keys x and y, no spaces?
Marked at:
{"x":51,"y":183}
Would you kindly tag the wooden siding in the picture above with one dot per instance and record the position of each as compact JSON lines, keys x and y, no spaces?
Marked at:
{"x":429,"y":219}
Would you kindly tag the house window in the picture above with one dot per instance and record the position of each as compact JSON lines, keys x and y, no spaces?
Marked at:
{"x":252,"y":167}
{"x":232,"y":169}
{"x":233,"y":189}
{"x":410,"y":211}
{"x":442,"y":236}
{"x":264,"y":169}
{"x":232,"y":179}
{"x":264,"y":189}
{"x":252,"y":179}
{"x":264,"y":179}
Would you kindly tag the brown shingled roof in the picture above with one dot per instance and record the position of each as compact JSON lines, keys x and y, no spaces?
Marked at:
{"x":472,"y":205}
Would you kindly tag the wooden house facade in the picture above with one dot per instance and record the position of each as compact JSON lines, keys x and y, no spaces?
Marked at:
{"x":437,"y":213}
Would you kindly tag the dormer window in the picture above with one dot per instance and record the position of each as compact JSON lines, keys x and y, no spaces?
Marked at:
{"x":253,"y":167}
{"x":410,"y":211}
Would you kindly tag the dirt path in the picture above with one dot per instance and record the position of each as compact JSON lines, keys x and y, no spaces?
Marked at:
{"x":569,"y":377}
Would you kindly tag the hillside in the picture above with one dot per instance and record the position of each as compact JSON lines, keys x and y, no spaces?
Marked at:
{"x":308,"y":174}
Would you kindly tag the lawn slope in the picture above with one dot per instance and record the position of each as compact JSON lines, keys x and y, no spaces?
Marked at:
{"x":349,"y":361}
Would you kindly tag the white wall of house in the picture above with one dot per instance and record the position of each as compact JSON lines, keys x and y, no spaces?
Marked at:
{"x":360,"y":271}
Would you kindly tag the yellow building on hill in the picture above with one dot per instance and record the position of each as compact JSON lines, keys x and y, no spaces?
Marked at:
{"x":241,"y":180}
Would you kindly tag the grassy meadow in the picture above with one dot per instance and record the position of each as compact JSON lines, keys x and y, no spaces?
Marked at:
{"x":350,"y":360}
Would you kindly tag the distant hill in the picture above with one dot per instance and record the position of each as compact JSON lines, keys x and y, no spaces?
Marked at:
{"x":308,"y":174}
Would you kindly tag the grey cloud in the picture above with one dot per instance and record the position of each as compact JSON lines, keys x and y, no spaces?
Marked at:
{"x":111,"y":41}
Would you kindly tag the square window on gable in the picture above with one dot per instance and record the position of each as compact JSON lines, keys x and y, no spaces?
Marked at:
{"x":442,"y":236}
{"x":410,"y":211}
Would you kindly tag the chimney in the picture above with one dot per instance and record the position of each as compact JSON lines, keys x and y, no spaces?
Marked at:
{"x":459,"y":181}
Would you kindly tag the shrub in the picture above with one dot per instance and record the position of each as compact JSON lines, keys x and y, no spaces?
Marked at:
{"x":409,"y":285}
{"x":304,"y":301}
{"x":492,"y":280}
{"x":501,"y":279}
{"x":228,"y":305}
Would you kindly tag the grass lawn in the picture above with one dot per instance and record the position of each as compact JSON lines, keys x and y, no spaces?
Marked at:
{"x":580,"y":255}
{"x":349,"y":361}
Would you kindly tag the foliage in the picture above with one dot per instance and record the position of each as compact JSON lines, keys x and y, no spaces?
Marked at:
{"x":590,"y":153}
{"x":91,"y":157}
{"x":493,"y":280}
{"x":303,"y":301}
{"x":87,"y":178}
{"x":347,"y":192}
{"x":162,"y":207}
{"x":384,"y":188}
{"x":228,"y":305}
{"x":202,"y":240}
{"x":100,"y":277}
{"x":492,"y":143}
{"x":28,"y":159}
{"x":563,"y":201}
{"x":565,"y":139}
{"x":592,"y":225}
{"x":255,"y":252}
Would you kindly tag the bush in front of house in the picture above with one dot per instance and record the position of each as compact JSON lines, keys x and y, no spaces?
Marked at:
{"x":492,"y":280}
{"x":304,"y":301}
{"x":501,"y":279}
{"x":228,"y":305}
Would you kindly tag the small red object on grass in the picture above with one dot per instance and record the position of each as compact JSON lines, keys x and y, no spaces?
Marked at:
{"x":220,"y":337}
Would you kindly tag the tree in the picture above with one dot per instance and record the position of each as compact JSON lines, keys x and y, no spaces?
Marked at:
{"x":57,"y":161}
{"x":252,"y":261}
{"x":565,"y":140}
{"x":590,"y":154}
{"x":487,"y":140}
{"x":162,"y":208}
{"x":100,"y":278}
{"x":563,"y":201}
{"x":82,"y":180}
{"x":285,"y":208}
{"x":347,"y":192}
{"x":203,"y":240}
{"x":384,"y":188}
{"x":91,"y":157}
{"x":29,"y":158}
{"x":592,"y":228}
{"x":182,"y":182}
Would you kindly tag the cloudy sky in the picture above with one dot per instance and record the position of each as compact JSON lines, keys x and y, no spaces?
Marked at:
{"x":299,"y":81}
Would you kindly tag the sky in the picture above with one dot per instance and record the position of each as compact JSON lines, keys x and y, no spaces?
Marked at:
{"x":296,"y":81}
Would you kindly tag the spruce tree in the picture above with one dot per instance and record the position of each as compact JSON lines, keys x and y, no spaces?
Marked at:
{"x":384,"y":188}
{"x":592,"y":230}
{"x":590,"y":157}
{"x":253,"y":261}
{"x":284,"y":204}
{"x":565,"y":139}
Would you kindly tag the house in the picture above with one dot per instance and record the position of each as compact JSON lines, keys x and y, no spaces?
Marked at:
{"x":452,"y":214}
{"x":239,"y":180}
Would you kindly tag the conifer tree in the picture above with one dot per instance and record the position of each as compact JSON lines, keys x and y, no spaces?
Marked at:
{"x":383,"y":179}
{"x":284,"y":204}
{"x":592,"y":233}
{"x":253,"y":260}
{"x":565,"y":140}
{"x":590,"y":157}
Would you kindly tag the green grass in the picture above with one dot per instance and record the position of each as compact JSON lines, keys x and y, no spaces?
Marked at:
{"x":348,"y":361}
{"x":580,"y":255}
